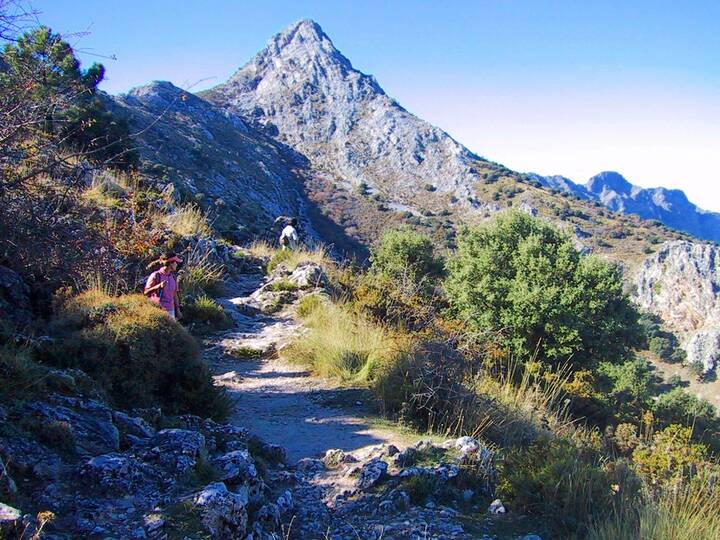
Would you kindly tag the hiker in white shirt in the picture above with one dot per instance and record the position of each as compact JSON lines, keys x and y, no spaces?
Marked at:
{"x":289,"y":235}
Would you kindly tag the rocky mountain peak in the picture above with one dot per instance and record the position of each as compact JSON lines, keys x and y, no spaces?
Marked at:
{"x":609,"y":181}
{"x":303,"y":91}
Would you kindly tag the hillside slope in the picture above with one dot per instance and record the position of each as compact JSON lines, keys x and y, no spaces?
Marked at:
{"x":298,"y":130}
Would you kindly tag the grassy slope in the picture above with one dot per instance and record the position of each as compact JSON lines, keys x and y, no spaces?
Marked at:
{"x":623,"y":238}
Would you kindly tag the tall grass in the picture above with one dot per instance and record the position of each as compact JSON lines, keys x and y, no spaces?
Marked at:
{"x":108,"y":189}
{"x":188,"y":220}
{"x":342,"y":344}
{"x":690,"y":513}
{"x":201,"y":276}
{"x":290,"y":258}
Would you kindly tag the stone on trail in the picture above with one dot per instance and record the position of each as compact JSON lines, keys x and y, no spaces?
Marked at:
{"x":223,"y":513}
{"x":335,"y":457}
{"x":307,"y":276}
{"x":10,"y":521}
{"x":371,"y":473}
{"x":496,"y":507}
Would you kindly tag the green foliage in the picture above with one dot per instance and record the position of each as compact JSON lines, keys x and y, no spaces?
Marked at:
{"x":138,"y":354}
{"x":405,"y":254}
{"x":631,"y":383}
{"x":207,"y":313}
{"x":308,"y":304}
{"x":283,"y":285}
{"x":21,"y":376}
{"x":41,"y":69}
{"x":342,"y":344}
{"x":680,"y":407}
{"x":552,"y":480}
{"x":524,"y":278}
{"x":419,"y":488}
{"x":671,"y":457}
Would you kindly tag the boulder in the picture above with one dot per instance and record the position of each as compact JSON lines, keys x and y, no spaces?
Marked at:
{"x":29,"y":458}
{"x":308,"y":276}
{"x":285,"y":502}
{"x":371,"y":473}
{"x":223,"y":513}
{"x":496,"y":507}
{"x":118,"y":473}
{"x":132,"y":429}
{"x":176,"y":450}
{"x":467,"y":445}
{"x":90,"y":422}
{"x":235,"y":467}
{"x":335,"y":457}
{"x":10,"y":521}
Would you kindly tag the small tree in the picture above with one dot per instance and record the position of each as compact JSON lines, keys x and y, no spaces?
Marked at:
{"x":522,"y":277}
{"x":403,"y":253}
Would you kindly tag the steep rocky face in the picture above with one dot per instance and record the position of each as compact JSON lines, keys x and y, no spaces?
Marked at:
{"x":301,"y":89}
{"x":669,"y":206}
{"x":244,"y":178}
{"x":681,"y":283}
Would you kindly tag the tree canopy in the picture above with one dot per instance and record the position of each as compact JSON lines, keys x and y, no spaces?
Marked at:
{"x":525,"y":280}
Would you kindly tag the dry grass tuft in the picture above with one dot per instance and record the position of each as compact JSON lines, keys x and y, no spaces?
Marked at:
{"x":188,"y":220}
{"x":342,"y":344}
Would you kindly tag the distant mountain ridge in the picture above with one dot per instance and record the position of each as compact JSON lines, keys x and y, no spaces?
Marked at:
{"x":669,"y":206}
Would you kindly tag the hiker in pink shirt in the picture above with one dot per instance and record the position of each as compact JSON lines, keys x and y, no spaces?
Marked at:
{"x":162,"y":284}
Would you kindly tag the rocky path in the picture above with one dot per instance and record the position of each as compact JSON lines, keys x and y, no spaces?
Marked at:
{"x":284,"y":403}
{"x":345,"y":476}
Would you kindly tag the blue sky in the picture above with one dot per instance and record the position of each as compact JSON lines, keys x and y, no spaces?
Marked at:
{"x":554,"y":87}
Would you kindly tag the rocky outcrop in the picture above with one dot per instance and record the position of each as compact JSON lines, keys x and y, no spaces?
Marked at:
{"x":194,"y":150}
{"x":681,"y":284}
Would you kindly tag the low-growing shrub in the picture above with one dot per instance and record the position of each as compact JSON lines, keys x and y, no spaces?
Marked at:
{"x":138,"y":354}
{"x":308,"y":304}
{"x":552,"y":480}
{"x":21,"y":377}
{"x":283,"y":285}
{"x":670,"y":458}
{"x":204,"y":311}
{"x":419,"y":488}
{"x":403,"y":252}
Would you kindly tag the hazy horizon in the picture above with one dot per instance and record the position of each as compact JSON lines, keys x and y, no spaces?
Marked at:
{"x":551,"y":88}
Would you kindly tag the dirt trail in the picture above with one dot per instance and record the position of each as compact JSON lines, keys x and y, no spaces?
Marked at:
{"x":283,"y":403}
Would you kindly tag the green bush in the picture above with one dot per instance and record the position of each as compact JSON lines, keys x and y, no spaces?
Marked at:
{"x":680,"y":407}
{"x":138,"y":354}
{"x":552,"y":480}
{"x":627,"y":387}
{"x":403,"y":253}
{"x":670,"y":458}
{"x":522,"y":277}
